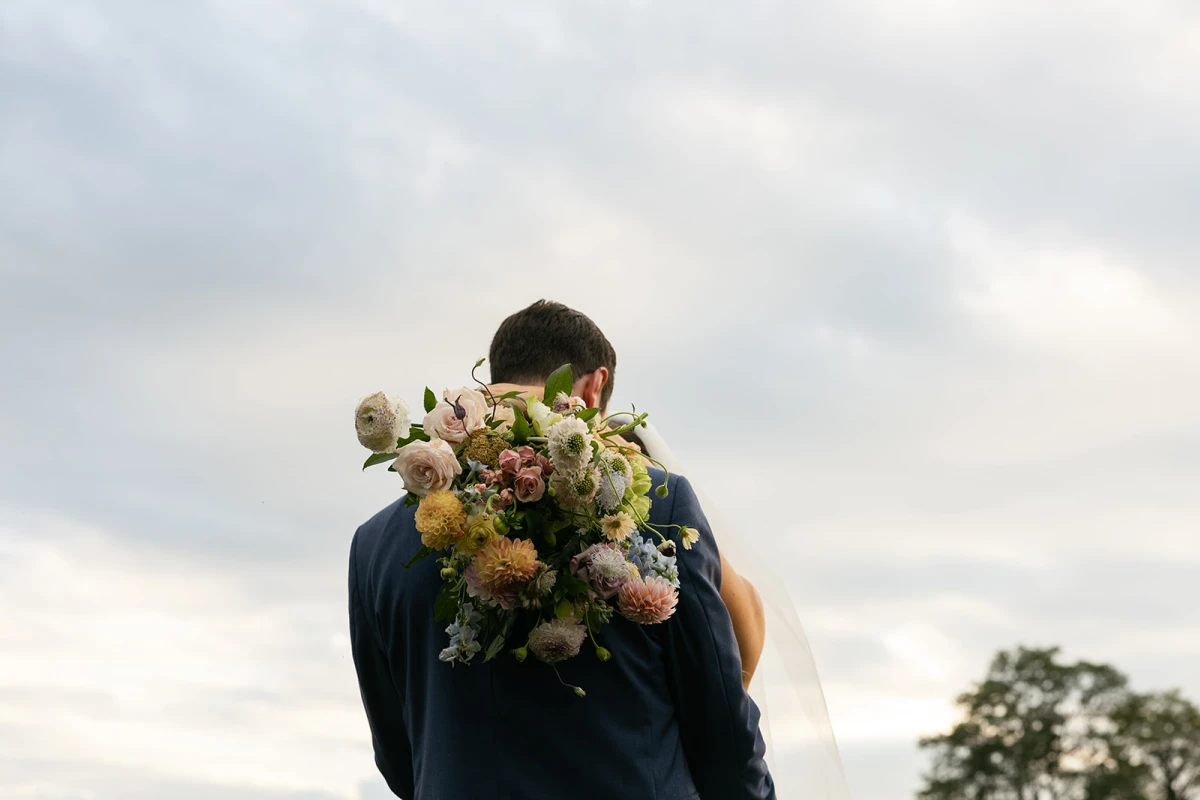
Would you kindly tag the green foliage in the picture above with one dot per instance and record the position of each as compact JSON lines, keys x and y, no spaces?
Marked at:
{"x":587,"y":414}
{"x":520,"y":426}
{"x":420,"y":555}
{"x":493,"y":649}
{"x":560,"y":380}
{"x":415,"y":434}
{"x":597,"y":615}
{"x":1012,"y":742}
{"x":498,"y":640}
{"x":430,"y":400}
{"x":1038,"y":727}
{"x":573,"y":585}
{"x":445,"y":606}
{"x":378,"y":458}
{"x":1156,"y":746}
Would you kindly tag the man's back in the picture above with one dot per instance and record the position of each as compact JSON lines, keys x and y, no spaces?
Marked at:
{"x":665,"y":718}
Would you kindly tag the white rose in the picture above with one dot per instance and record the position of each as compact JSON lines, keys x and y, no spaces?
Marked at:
{"x":443,"y":421}
{"x":426,"y":466}
{"x":543,"y":418}
{"x":380,"y":421}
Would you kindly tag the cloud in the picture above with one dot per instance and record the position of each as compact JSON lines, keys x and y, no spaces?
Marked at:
{"x":938,"y":262}
{"x":142,"y":668}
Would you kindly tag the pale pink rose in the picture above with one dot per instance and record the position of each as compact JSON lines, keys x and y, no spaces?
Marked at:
{"x":527,"y":454}
{"x":426,"y":466}
{"x":510,"y":462}
{"x":528,"y":485}
{"x":505,"y":415}
{"x":453,"y":424}
{"x":544,"y":463}
{"x":503,"y":500}
{"x":492,"y":476}
{"x":649,"y":601}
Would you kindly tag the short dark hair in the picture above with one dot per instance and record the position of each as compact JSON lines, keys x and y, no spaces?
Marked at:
{"x":537,"y":340}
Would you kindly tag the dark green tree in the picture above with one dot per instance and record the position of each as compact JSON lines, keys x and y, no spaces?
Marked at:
{"x":1155,"y":749}
{"x":1035,"y":729}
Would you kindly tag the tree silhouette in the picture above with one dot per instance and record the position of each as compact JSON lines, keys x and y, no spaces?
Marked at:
{"x":1156,"y":748}
{"x":1035,"y":729}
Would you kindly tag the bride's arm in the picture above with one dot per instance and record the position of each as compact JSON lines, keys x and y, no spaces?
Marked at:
{"x":749,"y":621}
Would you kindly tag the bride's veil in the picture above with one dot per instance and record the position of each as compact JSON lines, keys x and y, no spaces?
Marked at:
{"x":801,"y":749}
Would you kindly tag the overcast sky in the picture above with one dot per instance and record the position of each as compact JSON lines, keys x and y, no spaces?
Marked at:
{"x":932,"y":266}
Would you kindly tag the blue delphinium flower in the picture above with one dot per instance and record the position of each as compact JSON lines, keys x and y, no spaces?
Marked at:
{"x":650,"y":561}
{"x":464,"y":633}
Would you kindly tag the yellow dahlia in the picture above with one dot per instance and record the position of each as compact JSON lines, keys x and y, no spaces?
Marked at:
{"x":504,"y":563}
{"x":440,"y":519}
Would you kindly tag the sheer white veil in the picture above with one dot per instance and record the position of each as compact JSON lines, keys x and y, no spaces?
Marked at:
{"x":801,"y":749}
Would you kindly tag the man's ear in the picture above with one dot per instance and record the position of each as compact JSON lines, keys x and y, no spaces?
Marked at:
{"x":591,"y":385}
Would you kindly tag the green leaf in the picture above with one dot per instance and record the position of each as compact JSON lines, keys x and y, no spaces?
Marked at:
{"x":414,"y":435}
{"x":411,"y":499}
{"x":587,"y":414}
{"x":493,"y":649}
{"x":559,"y":524}
{"x":445,"y":607}
{"x":520,"y":428}
{"x":507,"y":396}
{"x":559,"y":381}
{"x":573,"y":585}
{"x":498,"y":642}
{"x":421,"y":554}
{"x":378,"y":458}
{"x":564,"y":609}
{"x":430,"y":400}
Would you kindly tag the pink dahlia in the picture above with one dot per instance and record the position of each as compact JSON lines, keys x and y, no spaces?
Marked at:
{"x":648,"y":601}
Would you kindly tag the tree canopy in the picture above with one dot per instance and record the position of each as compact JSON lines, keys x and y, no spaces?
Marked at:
{"x":1040,"y":728}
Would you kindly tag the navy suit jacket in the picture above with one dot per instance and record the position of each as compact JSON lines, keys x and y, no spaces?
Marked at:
{"x":665,"y":719}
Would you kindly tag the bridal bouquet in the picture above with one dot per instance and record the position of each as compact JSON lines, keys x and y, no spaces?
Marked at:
{"x":538,"y":513}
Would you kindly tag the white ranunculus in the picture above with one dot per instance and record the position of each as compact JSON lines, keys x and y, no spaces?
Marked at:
{"x":543,"y":418}
{"x":381,"y":421}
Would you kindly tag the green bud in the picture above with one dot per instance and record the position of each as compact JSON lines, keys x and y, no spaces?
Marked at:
{"x":448,"y":573}
{"x":500,"y":525}
{"x":603,"y":654}
{"x":579,"y":691}
{"x":661,"y":491}
{"x":520,"y":653}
